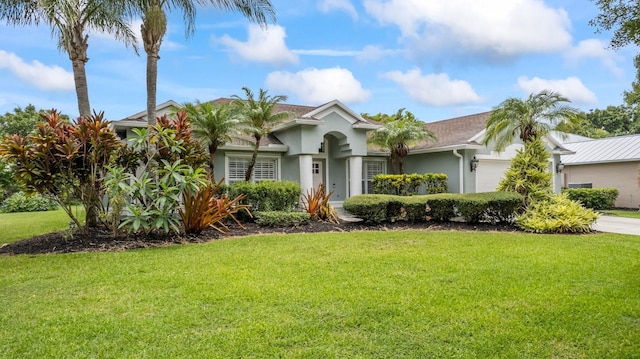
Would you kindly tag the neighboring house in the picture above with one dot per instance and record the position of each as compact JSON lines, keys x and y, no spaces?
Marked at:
{"x":328,"y":144}
{"x":606,"y":162}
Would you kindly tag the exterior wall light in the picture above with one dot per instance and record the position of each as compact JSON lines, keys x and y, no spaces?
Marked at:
{"x":559,"y":167}
{"x":473,"y":164}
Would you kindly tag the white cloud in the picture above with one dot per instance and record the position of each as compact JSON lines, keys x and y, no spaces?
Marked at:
{"x":44,"y":77}
{"x":433,"y":89}
{"x":571,"y":87}
{"x":326,"y":52}
{"x":317,"y":86}
{"x":594,"y":49}
{"x":339,"y":5}
{"x":495,"y":27}
{"x":263,"y":45}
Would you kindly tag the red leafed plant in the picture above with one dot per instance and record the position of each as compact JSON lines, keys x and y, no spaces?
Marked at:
{"x":207,"y":209}
{"x":316,"y":203}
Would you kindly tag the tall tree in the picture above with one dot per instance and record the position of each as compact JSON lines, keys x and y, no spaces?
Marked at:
{"x":154,"y":28}
{"x":70,"y":21}
{"x":397,"y":134}
{"x":259,"y":117}
{"x":582,"y":127}
{"x":528,"y":119}
{"x":632,"y":97}
{"x":213,"y":125}
{"x":617,"y":120}
{"x":621,"y":16}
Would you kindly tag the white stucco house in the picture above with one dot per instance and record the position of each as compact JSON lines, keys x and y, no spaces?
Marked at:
{"x":328,"y":144}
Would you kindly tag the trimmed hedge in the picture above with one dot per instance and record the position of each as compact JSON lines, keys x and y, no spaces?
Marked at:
{"x":410,"y":184}
{"x":473,"y":207}
{"x":594,"y":198}
{"x":268,"y":195}
{"x":281,"y":218}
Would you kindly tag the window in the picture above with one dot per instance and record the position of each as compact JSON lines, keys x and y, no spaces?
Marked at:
{"x":122,"y":133}
{"x":370,"y":169}
{"x":315,"y":169}
{"x":264,"y":169}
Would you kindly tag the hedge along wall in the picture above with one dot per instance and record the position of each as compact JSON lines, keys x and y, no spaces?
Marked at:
{"x":268,"y":195}
{"x":472,"y":207}
{"x":594,"y":198}
{"x":410,"y":184}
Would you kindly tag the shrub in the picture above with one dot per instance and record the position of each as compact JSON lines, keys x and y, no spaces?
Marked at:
{"x":489,"y":206}
{"x":282,"y":219}
{"x":268,"y":195}
{"x":473,"y":207}
{"x":410,"y":184}
{"x":19,"y":202}
{"x":594,"y":198}
{"x":316,"y":203}
{"x":206,"y":208}
{"x":371,"y":208}
{"x":529,"y":173}
{"x":557,"y":214}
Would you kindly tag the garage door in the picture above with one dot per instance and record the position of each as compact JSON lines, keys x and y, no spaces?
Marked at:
{"x":489,"y":174}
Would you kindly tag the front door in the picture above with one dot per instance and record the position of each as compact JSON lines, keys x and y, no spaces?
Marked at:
{"x":318,"y":174}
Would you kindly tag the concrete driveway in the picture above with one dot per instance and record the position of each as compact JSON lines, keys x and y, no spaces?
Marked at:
{"x":615,"y":224}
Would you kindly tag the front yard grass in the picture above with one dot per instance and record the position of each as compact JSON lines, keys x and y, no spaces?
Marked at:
{"x":627,"y":213}
{"x":22,"y":225}
{"x":397,"y":294}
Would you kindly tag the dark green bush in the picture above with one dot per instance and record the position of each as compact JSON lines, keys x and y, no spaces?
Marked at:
{"x":594,"y":198}
{"x":410,"y":184}
{"x":19,"y":202}
{"x":442,"y":207}
{"x":488,"y":206}
{"x":281,"y":218}
{"x":371,"y":208}
{"x":473,"y":207}
{"x":268,"y":195}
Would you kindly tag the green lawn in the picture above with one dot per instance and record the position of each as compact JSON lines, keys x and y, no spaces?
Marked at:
{"x":622,"y":213}
{"x":371,"y":294}
{"x":17,"y":226}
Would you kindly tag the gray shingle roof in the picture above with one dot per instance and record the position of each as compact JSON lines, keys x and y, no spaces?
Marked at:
{"x":610,"y":149}
{"x":455,"y":131}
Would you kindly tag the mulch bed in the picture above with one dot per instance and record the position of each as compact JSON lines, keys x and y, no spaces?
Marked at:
{"x":98,"y":240}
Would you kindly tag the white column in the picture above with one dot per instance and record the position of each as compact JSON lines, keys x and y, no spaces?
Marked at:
{"x":306,"y":173}
{"x":355,"y":175}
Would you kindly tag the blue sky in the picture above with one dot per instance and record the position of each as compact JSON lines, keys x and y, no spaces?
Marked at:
{"x":438,"y":59}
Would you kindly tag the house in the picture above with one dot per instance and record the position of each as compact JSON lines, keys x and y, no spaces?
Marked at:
{"x":328,"y":144}
{"x":606,"y":162}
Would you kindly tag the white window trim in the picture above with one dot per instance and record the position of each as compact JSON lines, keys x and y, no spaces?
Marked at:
{"x":364,"y":169}
{"x":243,"y":155}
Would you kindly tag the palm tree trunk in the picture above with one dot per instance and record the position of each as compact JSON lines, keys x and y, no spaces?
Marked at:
{"x":249,"y":172}
{"x":212,"y":157}
{"x":82,"y":89}
{"x":152,"y":79}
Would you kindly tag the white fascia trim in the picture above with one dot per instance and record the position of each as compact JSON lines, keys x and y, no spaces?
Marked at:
{"x":296,"y":122}
{"x":269,"y":148}
{"x":446,"y":149}
{"x":478,"y":136}
{"x":129,"y":124}
{"x":366,"y":126}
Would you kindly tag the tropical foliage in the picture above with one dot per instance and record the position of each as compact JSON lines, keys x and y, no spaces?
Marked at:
{"x":621,"y":16}
{"x":316,"y":203}
{"x":260,"y":117}
{"x":70,"y":22}
{"x":557,"y":214}
{"x":213,"y":125}
{"x":529,"y":173}
{"x":65,"y":161}
{"x":397,"y":134}
{"x":527,"y":119}
{"x":154,"y":28}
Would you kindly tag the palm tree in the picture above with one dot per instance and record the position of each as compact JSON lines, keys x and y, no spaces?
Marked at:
{"x":528,"y":119}
{"x":212,"y":125}
{"x":259,"y":118}
{"x":70,"y":20}
{"x":154,"y":27}
{"x":397,"y":134}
